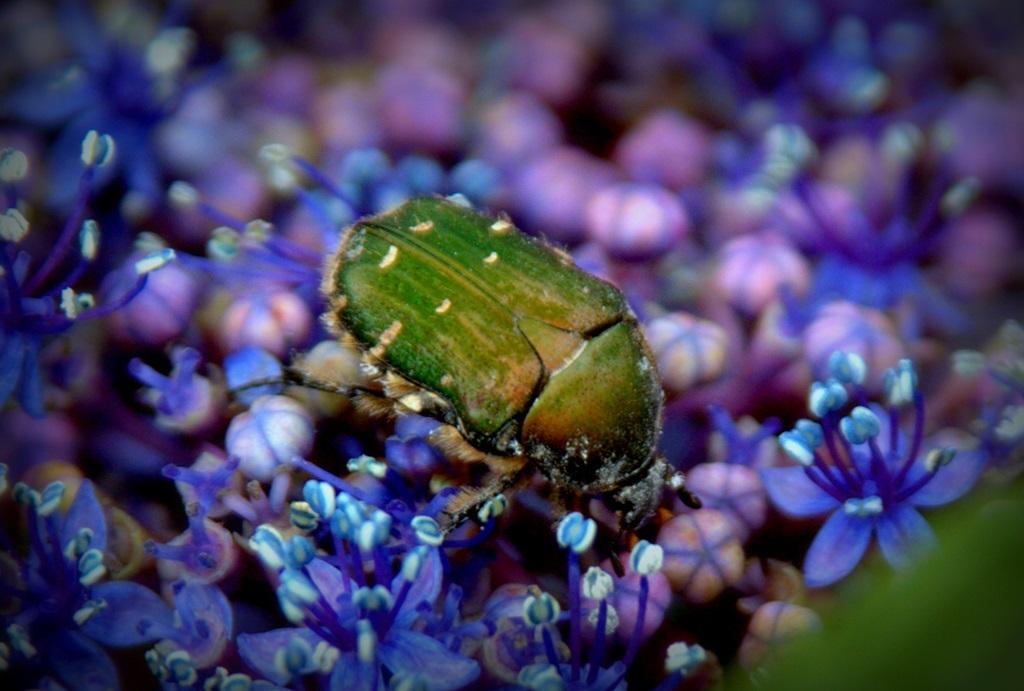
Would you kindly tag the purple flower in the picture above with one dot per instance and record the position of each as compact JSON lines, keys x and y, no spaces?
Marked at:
{"x":358,"y":620}
{"x":203,"y":628}
{"x":741,"y":442}
{"x":116,"y":83}
{"x":206,"y":552}
{"x":525,"y":644}
{"x":184,"y":401}
{"x":63,"y":615}
{"x":869,"y":478}
{"x":873,"y":244}
{"x":38,"y":300}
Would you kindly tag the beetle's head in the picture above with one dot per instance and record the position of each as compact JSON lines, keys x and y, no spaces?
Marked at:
{"x":639,"y":498}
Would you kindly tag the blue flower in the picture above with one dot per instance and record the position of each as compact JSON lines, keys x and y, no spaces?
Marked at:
{"x":1000,"y":427}
{"x":873,"y":247}
{"x":525,"y":644}
{"x":37,"y":299}
{"x":359,"y":619}
{"x":206,"y":551}
{"x":114,"y":83}
{"x":203,"y":628}
{"x":869,"y":478}
{"x":63,"y":614}
{"x":184,"y":401}
{"x":741,"y":442}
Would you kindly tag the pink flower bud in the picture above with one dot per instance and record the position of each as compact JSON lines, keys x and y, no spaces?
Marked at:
{"x":703,"y":556}
{"x":845,"y":326}
{"x":268,"y":435}
{"x":735,"y":490}
{"x":689,"y":351}
{"x":753,"y":269}
{"x":274,"y":322}
{"x":551,"y":191}
{"x":636,"y":221}
{"x":665,"y":148}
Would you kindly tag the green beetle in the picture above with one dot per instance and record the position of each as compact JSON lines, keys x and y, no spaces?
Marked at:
{"x":526,"y":359}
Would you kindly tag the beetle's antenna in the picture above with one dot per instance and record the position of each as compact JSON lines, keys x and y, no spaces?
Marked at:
{"x":677,"y":482}
{"x":294,"y":377}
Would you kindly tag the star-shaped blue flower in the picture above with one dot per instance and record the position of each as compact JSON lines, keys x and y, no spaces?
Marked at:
{"x":869,"y":478}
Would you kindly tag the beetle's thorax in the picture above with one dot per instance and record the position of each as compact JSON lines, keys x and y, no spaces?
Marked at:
{"x":597,"y":420}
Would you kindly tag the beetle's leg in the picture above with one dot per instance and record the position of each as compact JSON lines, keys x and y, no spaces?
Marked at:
{"x":618,"y":545}
{"x":468,"y":503}
{"x":450,"y":442}
{"x":294,"y":377}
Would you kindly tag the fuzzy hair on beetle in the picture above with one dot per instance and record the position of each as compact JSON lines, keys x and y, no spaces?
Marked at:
{"x":529,"y":362}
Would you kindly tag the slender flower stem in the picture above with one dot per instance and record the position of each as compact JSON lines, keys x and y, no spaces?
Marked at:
{"x":838,"y":481}
{"x":549,"y":646}
{"x":219,"y":217}
{"x":317,"y":176}
{"x":331,"y":479}
{"x":381,"y":567}
{"x":906,"y":492}
{"x":72,"y":278}
{"x":110,"y":307}
{"x":915,"y":444}
{"x":879,"y":469}
{"x":638,"y":628}
{"x":574,"y":612}
{"x":13,"y":290}
{"x":850,"y":459}
{"x":67,"y":234}
{"x":357,"y":563}
{"x":293,"y":250}
{"x":597,"y":650}
{"x":894,"y":431}
{"x":399,"y":601}
{"x":339,"y":552}
{"x":824,"y":484}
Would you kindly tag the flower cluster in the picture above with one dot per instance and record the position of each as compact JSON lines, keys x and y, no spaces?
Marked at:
{"x":812,"y":212}
{"x":864,"y":471}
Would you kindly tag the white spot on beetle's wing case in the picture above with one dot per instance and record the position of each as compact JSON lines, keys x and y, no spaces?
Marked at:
{"x":500,"y":227}
{"x":390,"y":258}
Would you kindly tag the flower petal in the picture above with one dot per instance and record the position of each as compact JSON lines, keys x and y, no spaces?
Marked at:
{"x":351,"y":675}
{"x":794,"y":494}
{"x":85,"y":512}
{"x":838,"y":547}
{"x":418,"y":654}
{"x":951,"y":481}
{"x":330,"y":582}
{"x":903,"y":532}
{"x":258,"y":649}
{"x":134,"y":615}
{"x":425,"y":588}
{"x":207,"y":620}
{"x":30,"y":390}
{"x":39,"y":101}
{"x":81,"y":664}
{"x":12,"y":353}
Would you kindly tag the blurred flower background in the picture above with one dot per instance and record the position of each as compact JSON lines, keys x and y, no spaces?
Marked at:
{"x":813,"y":207}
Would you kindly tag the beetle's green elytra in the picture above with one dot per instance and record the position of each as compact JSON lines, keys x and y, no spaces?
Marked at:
{"x":460,"y":316}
